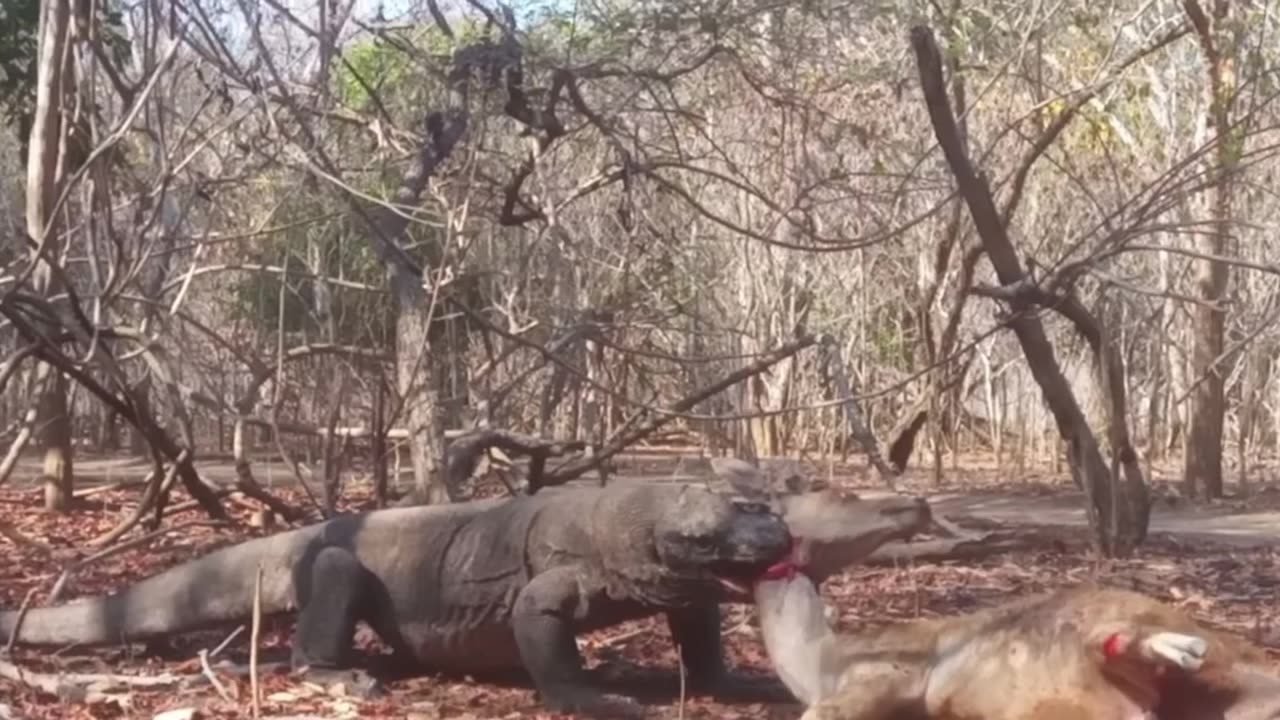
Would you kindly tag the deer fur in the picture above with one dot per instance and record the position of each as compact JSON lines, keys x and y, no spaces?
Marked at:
{"x":1086,"y":653}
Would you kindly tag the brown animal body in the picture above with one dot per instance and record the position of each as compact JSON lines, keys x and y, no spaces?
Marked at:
{"x":1086,"y":653}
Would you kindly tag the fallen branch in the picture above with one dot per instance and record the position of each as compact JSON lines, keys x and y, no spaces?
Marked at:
{"x":16,"y":536}
{"x":83,"y":493}
{"x":970,"y":546}
{"x":295,"y":428}
{"x":85,"y":687}
{"x":247,"y":484}
{"x":463,"y":455}
{"x":17,"y":624}
{"x":466,"y":451}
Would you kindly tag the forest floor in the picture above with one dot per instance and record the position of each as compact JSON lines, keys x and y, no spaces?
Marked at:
{"x":1220,"y":562}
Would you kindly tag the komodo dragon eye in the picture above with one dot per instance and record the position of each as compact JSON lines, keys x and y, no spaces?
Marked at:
{"x":751,"y":507}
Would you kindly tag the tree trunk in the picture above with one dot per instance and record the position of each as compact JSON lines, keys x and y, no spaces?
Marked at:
{"x":47,"y":151}
{"x":1256,"y":377}
{"x":108,"y":437}
{"x":53,"y":435}
{"x":1175,"y":362}
{"x":1202,"y":458}
{"x":378,"y":443}
{"x":416,"y":372}
{"x":1119,"y":519}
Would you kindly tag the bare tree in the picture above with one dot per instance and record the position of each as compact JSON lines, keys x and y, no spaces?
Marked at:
{"x":1118,"y":513}
{"x":48,"y":162}
{"x":1203,"y":448}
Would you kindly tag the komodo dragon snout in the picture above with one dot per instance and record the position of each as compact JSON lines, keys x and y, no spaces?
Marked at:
{"x":728,"y":541}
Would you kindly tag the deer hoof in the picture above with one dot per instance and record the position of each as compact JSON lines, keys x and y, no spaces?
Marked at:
{"x":1183,"y":651}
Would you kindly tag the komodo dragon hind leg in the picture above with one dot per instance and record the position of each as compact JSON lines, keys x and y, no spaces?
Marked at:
{"x":334,"y":593}
{"x":543,"y":620}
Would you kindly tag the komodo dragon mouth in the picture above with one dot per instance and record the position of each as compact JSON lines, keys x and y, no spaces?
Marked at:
{"x":720,"y":543}
{"x":738,"y":578}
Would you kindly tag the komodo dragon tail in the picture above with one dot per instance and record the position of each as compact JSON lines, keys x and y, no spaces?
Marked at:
{"x":212,"y":589}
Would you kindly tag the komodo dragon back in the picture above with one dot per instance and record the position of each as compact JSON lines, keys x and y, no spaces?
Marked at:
{"x":209,"y":590}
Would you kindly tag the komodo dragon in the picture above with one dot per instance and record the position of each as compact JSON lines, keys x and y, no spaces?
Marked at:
{"x":487,"y":585}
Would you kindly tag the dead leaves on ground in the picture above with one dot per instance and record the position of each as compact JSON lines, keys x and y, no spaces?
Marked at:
{"x":1234,"y":589}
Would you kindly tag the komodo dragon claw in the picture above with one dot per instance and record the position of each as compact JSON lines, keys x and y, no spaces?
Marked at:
{"x":354,"y":682}
{"x":604,"y":706}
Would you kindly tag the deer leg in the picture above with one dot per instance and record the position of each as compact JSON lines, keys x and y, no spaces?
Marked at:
{"x":871,"y":693}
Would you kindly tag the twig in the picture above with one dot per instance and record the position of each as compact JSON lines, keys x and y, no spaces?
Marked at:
{"x":17,"y":624}
{"x":83,"y":686}
{"x":680,"y":663}
{"x":213,"y":678}
{"x":622,"y":637}
{"x":253,"y":642}
{"x":227,"y":641}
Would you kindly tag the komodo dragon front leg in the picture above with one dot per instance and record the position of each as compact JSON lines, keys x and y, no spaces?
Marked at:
{"x":544,"y":618}
{"x":696,"y":633}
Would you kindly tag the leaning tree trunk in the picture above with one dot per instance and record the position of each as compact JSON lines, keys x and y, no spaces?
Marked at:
{"x":47,"y":150}
{"x":1118,"y":511}
{"x":1202,"y":458}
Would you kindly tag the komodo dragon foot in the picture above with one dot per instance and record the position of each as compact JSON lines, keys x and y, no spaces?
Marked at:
{"x":591,"y":704}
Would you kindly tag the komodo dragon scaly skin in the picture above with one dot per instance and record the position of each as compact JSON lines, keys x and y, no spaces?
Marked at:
{"x":489,"y":585}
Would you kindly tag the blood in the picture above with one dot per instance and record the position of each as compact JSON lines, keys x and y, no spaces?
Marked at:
{"x":1113,"y":646}
{"x":783,"y":569}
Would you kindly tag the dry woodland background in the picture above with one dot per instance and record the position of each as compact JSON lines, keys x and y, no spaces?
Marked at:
{"x":267,"y":261}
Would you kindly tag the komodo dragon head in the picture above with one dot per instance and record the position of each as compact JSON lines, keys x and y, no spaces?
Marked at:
{"x":833,"y":528}
{"x":715,"y":546}
{"x":712,"y":544}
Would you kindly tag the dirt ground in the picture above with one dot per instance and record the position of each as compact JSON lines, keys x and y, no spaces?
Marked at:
{"x":1221,"y":563}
